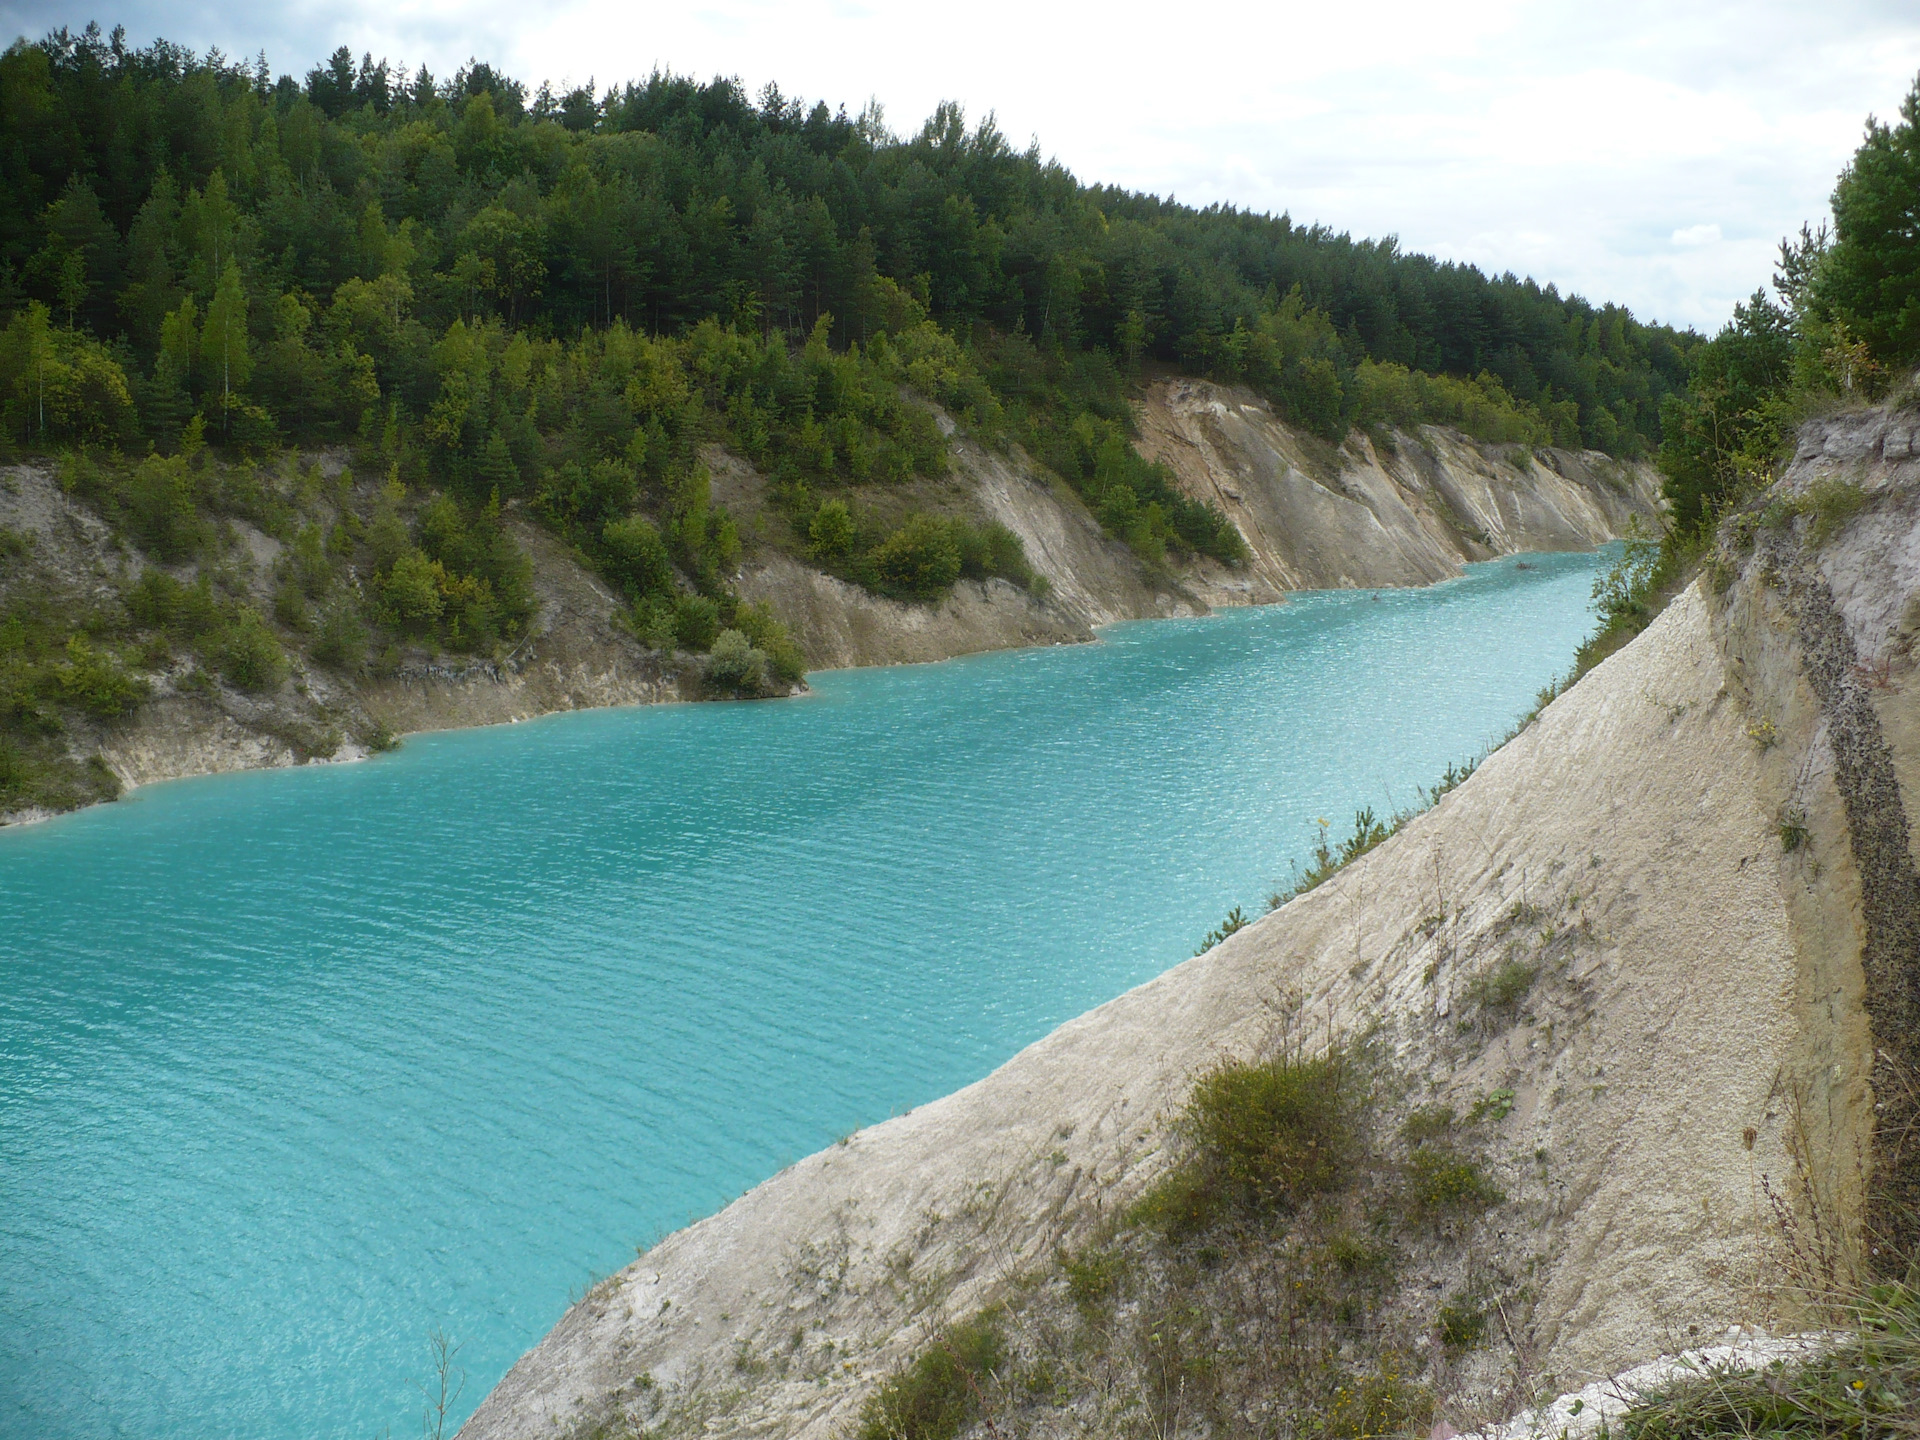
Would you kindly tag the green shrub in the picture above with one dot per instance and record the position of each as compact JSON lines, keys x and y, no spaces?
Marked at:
{"x":342,"y":641}
{"x":308,"y":564}
{"x":1621,"y":591}
{"x":246,"y":652}
{"x":696,"y":622}
{"x":1266,"y":1137}
{"x":939,"y":1394}
{"x":290,"y":605}
{"x":163,"y":510}
{"x":414,"y":591}
{"x":919,"y":561}
{"x":97,"y":683}
{"x":16,"y":772}
{"x":654,"y":623}
{"x":735,"y":667}
{"x":51,"y":780}
{"x":637,"y":558}
{"x":1384,"y":392}
{"x":1439,"y":1184}
{"x":830,"y":534}
{"x":991,"y":549}
{"x":157,"y":601}
{"x":784,"y":660}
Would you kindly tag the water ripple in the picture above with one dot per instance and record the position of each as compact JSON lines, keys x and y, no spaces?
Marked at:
{"x":294,"y":1066}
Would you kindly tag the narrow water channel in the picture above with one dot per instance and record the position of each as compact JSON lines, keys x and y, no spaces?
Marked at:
{"x":295,"y":1066}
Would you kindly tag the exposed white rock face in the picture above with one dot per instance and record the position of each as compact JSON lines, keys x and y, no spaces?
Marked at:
{"x":1317,"y":517}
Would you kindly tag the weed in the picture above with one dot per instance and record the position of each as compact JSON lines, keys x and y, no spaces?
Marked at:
{"x":1092,"y":1278}
{"x":1366,"y":1406}
{"x":1523,"y":914}
{"x":1499,"y":992}
{"x":1763,"y":733}
{"x":939,"y":1394}
{"x":1721,"y":572}
{"x":1355,"y":1257}
{"x":1429,"y":1122}
{"x":1439,"y":1184}
{"x":1829,"y":504}
{"x":1235,"y":922}
{"x":1495,"y":1106}
{"x":1793,"y":828}
{"x":442,"y":1392}
{"x":1461,"y":1324}
{"x":1040,"y":1381}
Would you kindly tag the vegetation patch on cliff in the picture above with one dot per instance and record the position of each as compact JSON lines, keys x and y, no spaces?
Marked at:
{"x":1258,"y":1286}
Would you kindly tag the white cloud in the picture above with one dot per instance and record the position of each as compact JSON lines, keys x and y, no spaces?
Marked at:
{"x":1570,"y":141}
{"x":1697,"y":235}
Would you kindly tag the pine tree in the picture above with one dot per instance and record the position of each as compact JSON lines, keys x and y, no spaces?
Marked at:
{"x":1872,"y":276}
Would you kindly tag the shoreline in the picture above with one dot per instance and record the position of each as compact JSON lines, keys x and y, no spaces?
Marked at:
{"x":27,"y":819}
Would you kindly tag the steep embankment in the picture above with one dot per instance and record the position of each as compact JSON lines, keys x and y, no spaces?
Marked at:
{"x":1436,"y":502}
{"x":1659,"y":950}
{"x":1391,"y":509}
{"x":574,"y":654}
{"x":1313,"y":517}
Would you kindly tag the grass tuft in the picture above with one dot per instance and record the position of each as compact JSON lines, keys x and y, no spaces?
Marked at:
{"x":1266,"y":1138}
{"x":1499,"y":992}
{"x":940,"y":1393}
{"x":1440,"y":1184}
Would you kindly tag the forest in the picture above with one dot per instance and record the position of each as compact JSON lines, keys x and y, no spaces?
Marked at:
{"x":288,"y":257}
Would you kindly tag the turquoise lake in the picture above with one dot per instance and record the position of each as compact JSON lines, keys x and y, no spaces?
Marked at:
{"x":295,"y":1066}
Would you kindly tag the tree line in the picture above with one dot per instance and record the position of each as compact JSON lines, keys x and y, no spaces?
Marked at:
{"x":172,"y":206}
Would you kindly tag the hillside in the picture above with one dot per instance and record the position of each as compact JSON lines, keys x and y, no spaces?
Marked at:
{"x":417,"y":402}
{"x":330,"y":668}
{"x":1616,"y":1040}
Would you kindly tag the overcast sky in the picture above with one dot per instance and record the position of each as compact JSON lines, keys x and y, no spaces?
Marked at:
{"x":1642,"y":152}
